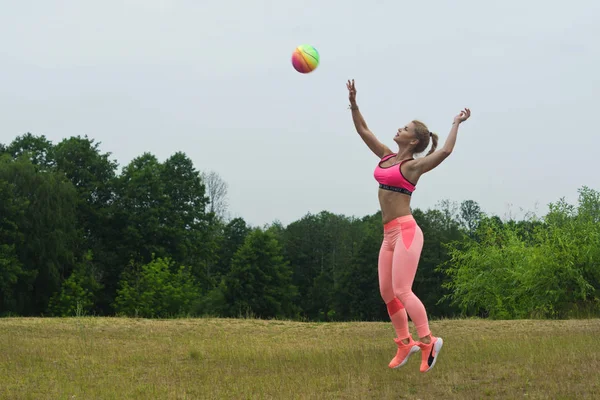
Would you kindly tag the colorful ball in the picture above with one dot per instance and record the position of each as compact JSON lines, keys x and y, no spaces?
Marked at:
{"x":305,"y":59}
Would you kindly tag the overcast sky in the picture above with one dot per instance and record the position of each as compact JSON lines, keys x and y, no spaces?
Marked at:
{"x":214,"y":79}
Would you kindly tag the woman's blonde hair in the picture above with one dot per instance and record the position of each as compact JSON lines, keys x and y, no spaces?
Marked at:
{"x":422,"y":133}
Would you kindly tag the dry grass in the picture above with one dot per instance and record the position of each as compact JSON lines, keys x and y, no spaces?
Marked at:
{"x":113,"y":358}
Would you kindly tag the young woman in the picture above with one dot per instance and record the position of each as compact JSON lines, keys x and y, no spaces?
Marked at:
{"x":397,"y":174}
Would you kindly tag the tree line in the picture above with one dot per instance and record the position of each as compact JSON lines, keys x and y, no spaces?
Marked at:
{"x":153,"y":240}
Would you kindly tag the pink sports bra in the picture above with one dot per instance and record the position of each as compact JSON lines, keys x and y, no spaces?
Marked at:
{"x":391,"y":178}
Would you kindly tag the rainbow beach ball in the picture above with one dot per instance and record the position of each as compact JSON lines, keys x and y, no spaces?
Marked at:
{"x":305,"y":59}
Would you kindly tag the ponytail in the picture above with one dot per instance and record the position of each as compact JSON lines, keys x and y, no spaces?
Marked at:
{"x":434,"y":142}
{"x":424,"y":136}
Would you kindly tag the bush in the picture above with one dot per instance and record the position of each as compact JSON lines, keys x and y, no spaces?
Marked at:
{"x":552,"y":273}
{"x":158,"y":289}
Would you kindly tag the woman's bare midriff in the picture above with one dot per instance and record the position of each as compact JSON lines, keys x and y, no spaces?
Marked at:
{"x":393,"y":205}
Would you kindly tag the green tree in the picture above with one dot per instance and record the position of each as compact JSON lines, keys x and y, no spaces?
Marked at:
{"x":259,"y":282}
{"x":140,"y":210}
{"x":12,"y":211}
{"x":190,"y":234}
{"x":320,"y":248}
{"x":93,"y":174}
{"x":357,"y":294}
{"x":470,"y":215}
{"x":48,"y":225}
{"x":38,"y":149}
{"x":79,"y":292}
{"x":158,"y":289}
{"x":160,"y":209}
{"x":234,"y":235}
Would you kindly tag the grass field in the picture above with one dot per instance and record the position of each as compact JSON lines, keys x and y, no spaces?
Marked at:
{"x":114,"y":358}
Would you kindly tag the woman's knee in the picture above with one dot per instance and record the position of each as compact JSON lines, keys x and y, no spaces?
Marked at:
{"x":387,"y":294}
{"x":394,"y":306}
{"x":403,"y":294}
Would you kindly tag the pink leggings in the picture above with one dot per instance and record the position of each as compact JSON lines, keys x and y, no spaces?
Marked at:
{"x":398,"y":260}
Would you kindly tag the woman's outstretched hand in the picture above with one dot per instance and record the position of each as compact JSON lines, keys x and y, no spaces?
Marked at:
{"x":351,"y":91}
{"x":463,"y":116}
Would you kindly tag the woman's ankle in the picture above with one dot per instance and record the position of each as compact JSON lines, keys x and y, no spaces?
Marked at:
{"x":426,"y":339}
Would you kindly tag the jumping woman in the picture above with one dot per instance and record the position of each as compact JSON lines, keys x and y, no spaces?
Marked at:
{"x":397,"y":175}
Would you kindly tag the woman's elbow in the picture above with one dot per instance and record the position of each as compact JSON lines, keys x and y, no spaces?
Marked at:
{"x":446,"y":152}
